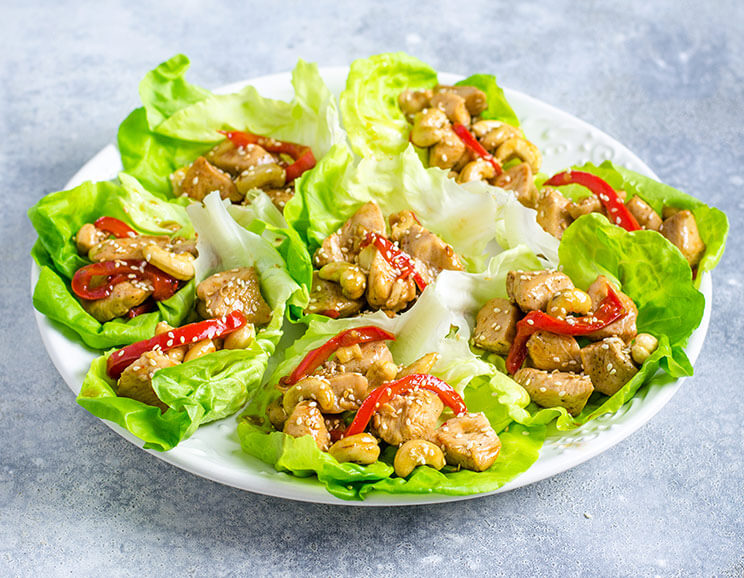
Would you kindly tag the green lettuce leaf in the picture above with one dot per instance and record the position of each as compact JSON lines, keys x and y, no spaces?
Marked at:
{"x":179,"y":121}
{"x":369,"y":104}
{"x":218,"y":384}
{"x":57,"y":218}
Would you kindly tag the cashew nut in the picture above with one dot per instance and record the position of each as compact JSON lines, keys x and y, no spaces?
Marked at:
{"x":475,"y":98}
{"x":642,"y":347}
{"x":241,"y":338}
{"x":569,"y":301}
{"x":493,"y":139}
{"x":360,"y":448}
{"x":453,"y":105}
{"x":353,"y":282}
{"x":519,"y":147}
{"x":477,"y":170}
{"x":265,"y":176}
{"x":381,"y":371}
{"x":180,"y":266}
{"x":346,"y":354}
{"x":88,"y":237}
{"x":413,"y":101}
{"x":415,"y":453}
{"x":447,"y":152}
{"x":428,"y":127}
{"x":177,"y":353}
{"x":199,"y":349}
{"x":482,"y":127}
{"x":422,"y":365}
{"x":311,"y":388}
{"x":276,"y":414}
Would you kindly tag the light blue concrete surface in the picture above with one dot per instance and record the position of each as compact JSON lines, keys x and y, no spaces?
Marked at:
{"x":665,"y":78}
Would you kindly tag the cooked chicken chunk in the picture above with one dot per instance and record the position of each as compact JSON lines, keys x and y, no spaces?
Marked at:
{"x":344,"y":244}
{"x":385,"y":290}
{"x":127,"y":247}
{"x":644,"y":214}
{"x":584,"y":206}
{"x":551,"y":351}
{"x":350,"y":390}
{"x":682,"y":231}
{"x":423,"y":245}
{"x":519,"y":179}
{"x":368,"y":355}
{"x":553,"y":212}
{"x":327,"y":298}
{"x":625,"y":327}
{"x":235,"y":160}
{"x":469,"y":441}
{"x":532,"y":290}
{"x":123,"y":297}
{"x":496,"y":326}
{"x":135,"y":381}
{"x":202,"y":178}
{"x":609,"y":364}
{"x":408,"y":417}
{"x":236,"y":289}
{"x":475,"y":99}
{"x":305,"y":420}
{"x":569,"y":390}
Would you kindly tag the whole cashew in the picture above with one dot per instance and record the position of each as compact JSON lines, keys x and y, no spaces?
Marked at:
{"x":453,"y":105}
{"x":265,"y":176}
{"x":569,"y":301}
{"x":310,"y":388}
{"x":428,"y":127}
{"x":493,"y":139}
{"x":180,"y":266}
{"x":519,"y":147}
{"x":241,"y":338}
{"x":199,"y":349}
{"x":360,"y":448}
{"x":353,"y":282}
{"x":415,"y":453}
{"x":477,"y":170}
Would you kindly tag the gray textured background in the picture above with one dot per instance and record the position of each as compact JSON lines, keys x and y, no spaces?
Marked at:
{"x":665,"y":78}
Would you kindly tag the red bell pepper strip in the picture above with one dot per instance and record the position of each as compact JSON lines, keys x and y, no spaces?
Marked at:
{"x":611,"y":201}
{"x":146,"y":307}
{"x":386,"y":392}
{"x":188,"y":334}
{"x":117,"y":228}
{"x":164,"y":286}
{"x":477,"y":148}
{"x":302,"y":155}
{"x":610,"y":310}
{"x":316,"y":357}
{"x":395,"y":257}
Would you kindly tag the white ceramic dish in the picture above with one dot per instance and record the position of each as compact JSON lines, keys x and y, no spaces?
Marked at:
{"x":214,"y":452}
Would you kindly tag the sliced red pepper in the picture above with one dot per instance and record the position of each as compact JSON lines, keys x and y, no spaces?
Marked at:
{"x":395,"y":257}
{"x":146,"y":307}
{"x":302,"y":155}
{"x":610,"y":310}
{"x":386,"y":392}
{"x":316,"y":357}
{"x":332,"y":313}
{"x":117,"y":228}
{"x":477,"y":148}
{"x":164,"y":286}
{"x":188,"y":334}
{"x":611,"y":201}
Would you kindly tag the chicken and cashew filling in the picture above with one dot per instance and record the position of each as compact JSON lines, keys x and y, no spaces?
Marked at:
{"x":225,"y":294}
{"x":342,"y":406}
{"x":362,"y":266}
{"x":558,"y":370}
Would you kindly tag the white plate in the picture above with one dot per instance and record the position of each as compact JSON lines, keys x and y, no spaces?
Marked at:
{"x":214,"y":452}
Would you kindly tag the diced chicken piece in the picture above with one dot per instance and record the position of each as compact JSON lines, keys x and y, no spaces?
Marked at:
{"x":306,"y":420}
{"x":280,"y":197}
{"x":644,"y":214}
{"x":123,"y":297}
{"x":468,"y":441}
{"x":202,"y":178}
{"x":236,"y":289}
{"x":476,"y":100}
{"x":408,"y":417}
{"x":609,"y":364}
{"x":682,"y":231}
{"x":235,"y":160}
{"x":345,"y":243}
{"x":553,"y":212}
{"x":423,"y":246}
{"x":128,"y":247}
{"x":496,"y":326}
{"x":668,"y":211}
{"x":135,"y":381}
{"x":350,"y":390}
{"x":584,"y":206}
{"x":422,"y":365}
{"x":327,"y":298}
{"x":625,"y":327}
{"x":369,"y":354}
{"x":562,"y":389}
{"x":519,"y":179}
{"x":532,"y":290}
{"x":551,"y":351}
{"x":385,"y":290}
